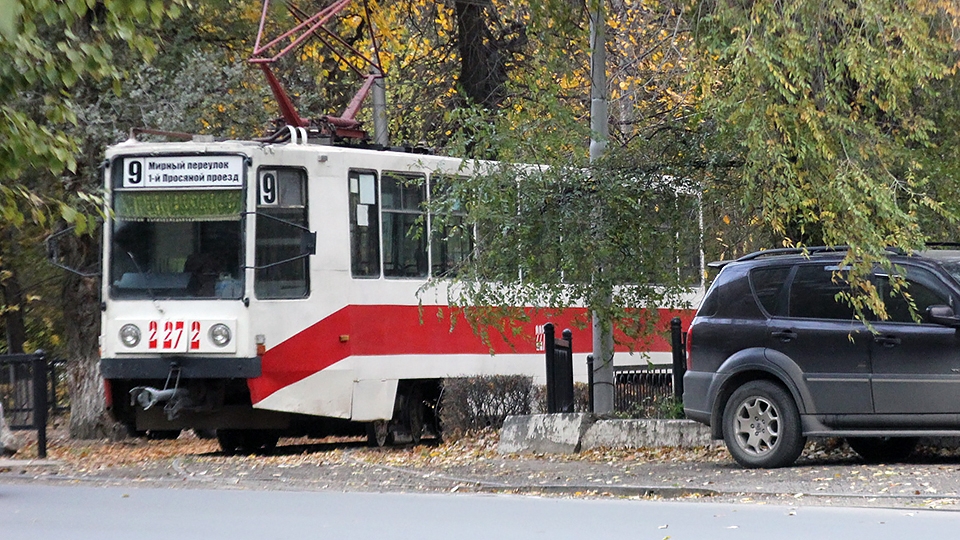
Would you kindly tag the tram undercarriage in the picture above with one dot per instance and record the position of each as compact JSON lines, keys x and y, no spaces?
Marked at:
{"x":222,"y":408}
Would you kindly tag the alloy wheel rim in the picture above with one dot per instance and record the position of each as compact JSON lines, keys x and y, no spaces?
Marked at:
{"x":757,"y":426}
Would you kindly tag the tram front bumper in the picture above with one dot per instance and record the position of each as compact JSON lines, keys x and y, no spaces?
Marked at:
{"x":190,"y":367}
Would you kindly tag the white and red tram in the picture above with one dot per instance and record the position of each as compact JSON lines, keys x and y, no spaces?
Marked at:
{"x":258,"y":288}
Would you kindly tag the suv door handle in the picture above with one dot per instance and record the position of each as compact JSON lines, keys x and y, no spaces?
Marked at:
{"x":887,"y":341}
{"x":784,"y":335}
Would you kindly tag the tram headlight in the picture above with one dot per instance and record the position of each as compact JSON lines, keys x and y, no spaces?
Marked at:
{"x":130,"y":335}
{"x":220,"y":334}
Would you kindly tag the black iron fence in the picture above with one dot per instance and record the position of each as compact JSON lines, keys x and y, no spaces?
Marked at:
{"x":653,"y":390}
{"x":643,"y":391}
{"x":32,"y":386}
{"x":559,"y":355}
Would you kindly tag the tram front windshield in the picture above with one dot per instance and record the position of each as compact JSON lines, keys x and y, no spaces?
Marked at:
{"x":176,"y":245}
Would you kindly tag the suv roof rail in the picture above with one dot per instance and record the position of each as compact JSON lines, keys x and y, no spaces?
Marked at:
{"x":791,"y":251}
{"x":776,"y":252}
{"x":809,"y":250}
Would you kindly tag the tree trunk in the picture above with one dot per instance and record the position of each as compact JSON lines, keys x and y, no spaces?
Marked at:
{"x":15,"y":329}
{"x":8,"y":442}
{"x":483,"y":72}
{"x":81,"y":313}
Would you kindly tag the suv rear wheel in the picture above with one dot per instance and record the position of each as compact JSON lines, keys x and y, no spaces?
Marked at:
{"x":761,"y":426}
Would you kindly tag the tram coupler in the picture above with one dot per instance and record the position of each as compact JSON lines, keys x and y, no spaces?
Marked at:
{"x":147,"y":397}
{"x":173,"y":398}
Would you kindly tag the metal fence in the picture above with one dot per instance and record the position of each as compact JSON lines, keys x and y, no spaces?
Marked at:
{"x":16,"y":388}
{"x":559,"y":355}
{"x":643,"y":391}
{"x":653,"y":390}
{"x":31,"y":386}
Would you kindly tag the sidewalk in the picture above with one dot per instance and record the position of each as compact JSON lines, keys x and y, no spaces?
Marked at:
{"x":828,"y":473}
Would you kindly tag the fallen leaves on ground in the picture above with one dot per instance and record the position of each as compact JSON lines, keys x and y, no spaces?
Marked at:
{"x":470,"y":449}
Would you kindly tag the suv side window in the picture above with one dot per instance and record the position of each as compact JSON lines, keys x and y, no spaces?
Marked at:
{"x":923,"y":288}
{"x":768,"y":287}
{"x":813,"y":294}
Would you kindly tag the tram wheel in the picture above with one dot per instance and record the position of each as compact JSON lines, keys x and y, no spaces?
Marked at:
{"x":247,"y":441}
{"x":378,"y":433}
{"x":163,"y":434}
{"x":229,"y":440}
{"x":415,"y":414}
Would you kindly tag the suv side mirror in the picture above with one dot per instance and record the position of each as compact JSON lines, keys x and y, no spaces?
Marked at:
{"x":943,"y":315}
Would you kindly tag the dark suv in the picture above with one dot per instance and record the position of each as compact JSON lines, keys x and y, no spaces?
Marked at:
{"x":774,"y":356}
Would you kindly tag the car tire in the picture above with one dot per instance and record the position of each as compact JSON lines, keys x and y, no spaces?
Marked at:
{"x":761,"y":426}
{"x":883,"y":449}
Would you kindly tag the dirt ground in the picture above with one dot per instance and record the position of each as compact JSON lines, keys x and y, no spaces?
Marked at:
{"x":828,"y":473}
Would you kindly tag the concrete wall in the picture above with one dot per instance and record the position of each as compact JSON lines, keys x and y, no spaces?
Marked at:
{"x":571,"y":433}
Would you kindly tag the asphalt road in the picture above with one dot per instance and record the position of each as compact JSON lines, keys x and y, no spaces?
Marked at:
{"x":30,"y":511}
{"x":826,"y":475}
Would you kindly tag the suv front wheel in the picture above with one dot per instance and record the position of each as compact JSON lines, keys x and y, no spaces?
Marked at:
{"x":761,"y":426}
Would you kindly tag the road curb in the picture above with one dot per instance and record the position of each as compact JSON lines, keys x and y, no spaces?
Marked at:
{"x":572,"y":433}
{"x":665,"y":492}
{"x":25,"y":463}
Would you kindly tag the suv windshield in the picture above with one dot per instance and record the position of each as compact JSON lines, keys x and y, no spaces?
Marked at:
{"x":948,"y":259}
{"x":953,"y":268}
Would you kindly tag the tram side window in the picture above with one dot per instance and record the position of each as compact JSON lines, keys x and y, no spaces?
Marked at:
{"x":404,"y":225}
{"x":364,"y":225}
{"x":451,"y":237}
{"x":282,"y":270}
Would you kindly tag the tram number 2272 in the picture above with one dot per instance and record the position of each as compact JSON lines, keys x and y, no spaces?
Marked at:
{"x":169,"y":335}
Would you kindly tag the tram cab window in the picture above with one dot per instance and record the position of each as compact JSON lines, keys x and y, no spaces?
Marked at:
{"x":364,"y":224}
{"x":180,"y":244}
{"x":404,"y":225}
{"x":282,"y":270}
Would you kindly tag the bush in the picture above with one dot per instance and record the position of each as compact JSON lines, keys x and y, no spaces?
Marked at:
{"x":581,"y":398}
{"x":474,"y":403}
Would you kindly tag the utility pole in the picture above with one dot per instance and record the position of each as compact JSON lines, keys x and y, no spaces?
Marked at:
{"x":603,"y":376}
{"x":381,"y":135}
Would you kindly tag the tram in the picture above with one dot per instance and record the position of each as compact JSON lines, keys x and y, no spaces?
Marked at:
{"x":259,"y":288}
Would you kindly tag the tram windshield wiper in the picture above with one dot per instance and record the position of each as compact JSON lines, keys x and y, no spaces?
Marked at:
{"x":143,"y":275}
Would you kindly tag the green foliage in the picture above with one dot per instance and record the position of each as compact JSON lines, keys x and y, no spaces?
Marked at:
{"x":206,"y":92}
{"x":52,"y":47}
{"x":618,"y":239}
{"x":621,"y":237}
{"x":827,"y":108}
{"x":657,"y":406}
{"x":61,"y":58}
{"x":671,"y":409}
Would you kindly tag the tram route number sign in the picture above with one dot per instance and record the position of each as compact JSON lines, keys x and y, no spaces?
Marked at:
{"x":167,"y":172}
